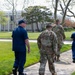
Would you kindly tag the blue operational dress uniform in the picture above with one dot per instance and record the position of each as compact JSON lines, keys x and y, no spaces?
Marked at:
{"x":73,"y":47}
{"x":19,"y":35}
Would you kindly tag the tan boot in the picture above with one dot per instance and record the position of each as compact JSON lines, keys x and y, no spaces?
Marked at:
{"x":57,"y":59}
{"x":54,"y":74}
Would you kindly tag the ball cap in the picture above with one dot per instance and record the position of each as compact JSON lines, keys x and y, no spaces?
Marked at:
{"x":21,"y":21}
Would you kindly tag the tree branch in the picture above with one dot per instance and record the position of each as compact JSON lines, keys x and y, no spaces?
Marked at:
{"x":66,"y":7}
{"x":9,"y":2}
{"x":71,"y":12}
{"x":53,"y":4}
{"x":62,"y":8}
{"x":24,"y":4}
{"x":70,"y":16}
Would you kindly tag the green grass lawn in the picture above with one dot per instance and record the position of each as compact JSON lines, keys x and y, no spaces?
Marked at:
{"x":73,"y":73}
{"x":5,"y":34}
{"x":68,"y":35}
{"x":65,"y":47}
{"x":33,"y":35}
{"x":7,"y":56}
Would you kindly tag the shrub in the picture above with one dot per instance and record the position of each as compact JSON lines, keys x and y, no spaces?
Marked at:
{"x":68,"y":29}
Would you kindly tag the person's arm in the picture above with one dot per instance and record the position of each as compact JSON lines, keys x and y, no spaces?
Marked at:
{"x":62,"y":32}
{"x":55,"y":43}
{"x":28,"y":45}
{"x":26,"y":40}
{"x":39,"y":41}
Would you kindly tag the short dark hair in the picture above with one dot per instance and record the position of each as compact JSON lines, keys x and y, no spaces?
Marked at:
{"x":57,"y":20}
{"x":48,"y":25}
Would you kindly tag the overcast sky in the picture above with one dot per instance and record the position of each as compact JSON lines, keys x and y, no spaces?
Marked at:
{"x":28,"y":3}
{"x":20,"y":3}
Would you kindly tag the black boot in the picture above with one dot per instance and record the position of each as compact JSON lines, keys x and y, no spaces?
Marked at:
{"x":73,"y":61}
{"x":22,"y":73}
{"x":41,"y":73}
{"x":14,"y":71}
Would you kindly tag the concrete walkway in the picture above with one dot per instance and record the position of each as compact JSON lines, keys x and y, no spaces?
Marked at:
{"x":64,"y":67}
{"x":9,"y":40}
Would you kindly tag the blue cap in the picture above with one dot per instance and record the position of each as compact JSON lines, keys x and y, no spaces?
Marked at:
{"x":21,"y":21}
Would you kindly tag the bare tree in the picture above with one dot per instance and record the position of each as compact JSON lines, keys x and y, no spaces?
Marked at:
{"x":25,"y":4}
{"x":64,"y":7}
{"x":11,"y":5}
{"x":69,"y":9}
{"x":65,"y":10}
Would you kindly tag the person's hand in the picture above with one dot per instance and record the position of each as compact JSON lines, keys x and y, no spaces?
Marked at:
{"x":28,"y":50}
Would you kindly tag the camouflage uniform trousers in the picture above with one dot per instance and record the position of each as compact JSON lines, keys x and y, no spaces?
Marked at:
{"x":58,"y":50}
{"x":43,"y":60}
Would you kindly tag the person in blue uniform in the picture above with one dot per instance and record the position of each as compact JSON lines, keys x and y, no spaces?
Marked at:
{"x":19,"y":43}
{"x":73,"y":47}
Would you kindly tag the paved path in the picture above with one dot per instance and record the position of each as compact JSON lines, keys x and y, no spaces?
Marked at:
{"x":64,"y":67}
{"x":9,"y":40}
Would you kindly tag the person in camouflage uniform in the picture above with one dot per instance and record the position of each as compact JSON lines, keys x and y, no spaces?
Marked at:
{"x":59,"y":30}
{"x":47,"y":44}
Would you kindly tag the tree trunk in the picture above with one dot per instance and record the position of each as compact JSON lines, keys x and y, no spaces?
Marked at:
{"x":32,"y":27}
{"x":11,"y":26}
{"x":37,"y":26}
{"x":14,"y":15}
{"x":42,"y":26}
{"x":55,"y":11}
{"x":0,"y":27}
{"x":3,"y":27}
{"x":63,"y":19}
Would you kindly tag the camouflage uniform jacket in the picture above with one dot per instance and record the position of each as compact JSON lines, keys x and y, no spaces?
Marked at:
{"x":59,"y":30}
{"x":47,"y":42}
